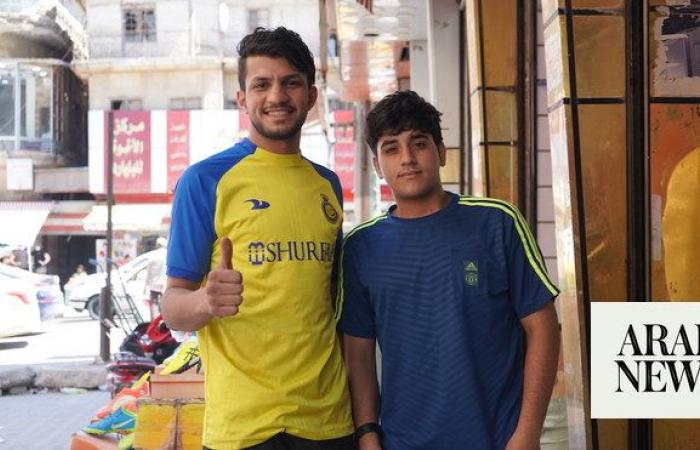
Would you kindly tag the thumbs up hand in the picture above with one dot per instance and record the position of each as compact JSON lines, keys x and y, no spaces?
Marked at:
{"x":224,"y":286}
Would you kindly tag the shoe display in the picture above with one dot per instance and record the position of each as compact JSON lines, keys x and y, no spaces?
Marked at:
{"x":185,"y":357}
{"x":123,"y":420}
{"x":127,"y":395}
{"x":127,"y":442}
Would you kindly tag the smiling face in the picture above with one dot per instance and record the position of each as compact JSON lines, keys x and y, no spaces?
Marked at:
{"x":277,"y":98}
{"x":410,"y":163}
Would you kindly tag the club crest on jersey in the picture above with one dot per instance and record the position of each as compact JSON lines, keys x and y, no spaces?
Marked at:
{"x":328,"y":210}
{"x":471,"y":273}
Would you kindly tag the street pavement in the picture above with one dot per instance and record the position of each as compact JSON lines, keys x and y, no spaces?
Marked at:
{"x":46,"y":420}
{"x":72,"y":339}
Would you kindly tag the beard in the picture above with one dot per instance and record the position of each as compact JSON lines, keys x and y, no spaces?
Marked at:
{"x":280,"y":133}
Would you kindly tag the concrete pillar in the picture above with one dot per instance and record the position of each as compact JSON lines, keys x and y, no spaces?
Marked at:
{"x":443,"y":65}
{"x":420,"y":78}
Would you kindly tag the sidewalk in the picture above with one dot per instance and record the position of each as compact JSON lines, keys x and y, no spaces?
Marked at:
{"x":45,"y":421}
{"x":65,"y":355}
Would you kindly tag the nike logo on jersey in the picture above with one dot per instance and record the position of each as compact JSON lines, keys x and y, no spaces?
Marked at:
{"x":258,"y":204}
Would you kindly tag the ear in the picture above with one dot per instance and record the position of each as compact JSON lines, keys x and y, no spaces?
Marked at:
{"x":313,"y":96}
{"x":377,"y":168}
{"x":442,"y":153}
{"x":240,"y":98}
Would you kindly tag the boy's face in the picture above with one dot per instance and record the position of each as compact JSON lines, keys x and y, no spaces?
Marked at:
{"x":277,"y":97}
{"x":410,"y":163}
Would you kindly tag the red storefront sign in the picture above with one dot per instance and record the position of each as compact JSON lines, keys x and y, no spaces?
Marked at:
{"x":367,"y":4}
{"x":178,"y":145}
{"x":344,"y":167}
{"x":344,"y":151}
{"x":132,"y":151}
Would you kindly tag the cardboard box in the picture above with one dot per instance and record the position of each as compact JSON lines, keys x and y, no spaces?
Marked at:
{"x":86,"y":442}
{"x":177,"y":386}
{"x":169,"y":424}
{"x":190,"y":424}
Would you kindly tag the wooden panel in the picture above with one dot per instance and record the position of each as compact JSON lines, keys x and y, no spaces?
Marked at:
{"x":500,"y":51}
{"x":450,"y":172}
{"x":503,"y":172}
{"x":600,"y":56}
{"x":604,"y":170}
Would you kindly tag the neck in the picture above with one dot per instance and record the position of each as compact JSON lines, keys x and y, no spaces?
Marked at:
{"x":413,"y":208}
{"x":282,"y":146}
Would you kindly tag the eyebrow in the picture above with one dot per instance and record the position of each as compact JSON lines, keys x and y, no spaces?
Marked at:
{"x":284,"y":78}
{"x":293,"y":75}
{"x":388,"y":142}
{"x":414,"y":135}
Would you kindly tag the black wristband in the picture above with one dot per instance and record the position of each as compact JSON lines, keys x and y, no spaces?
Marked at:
{"x":369,"y":427}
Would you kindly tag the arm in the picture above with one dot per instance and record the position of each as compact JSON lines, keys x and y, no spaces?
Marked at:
{"x":188,"y":306}
{"x":541,"y":356}
{"x":362,"y":375}
{"x":184,"y":305}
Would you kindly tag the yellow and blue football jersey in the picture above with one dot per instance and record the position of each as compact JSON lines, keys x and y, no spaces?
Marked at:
{"x":275,"y":366}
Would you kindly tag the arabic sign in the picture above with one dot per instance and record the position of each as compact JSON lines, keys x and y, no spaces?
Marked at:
{"x":132,"y":152}
{"x":178,"y":145}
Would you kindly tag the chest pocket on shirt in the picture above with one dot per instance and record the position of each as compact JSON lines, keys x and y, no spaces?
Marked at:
{"x":477,"y":272}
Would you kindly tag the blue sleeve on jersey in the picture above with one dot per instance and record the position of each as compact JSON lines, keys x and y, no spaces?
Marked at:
{"x":338,"y":190}
{"x":332,"y":178}
{"x":356,"y":312}
{"x":528,"y":291}
{"x":192,"y":226}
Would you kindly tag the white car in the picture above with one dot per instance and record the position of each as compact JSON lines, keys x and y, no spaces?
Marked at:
{"x":84,"y":292}
{"x":45,"y":288}
{"x":19,"y":308}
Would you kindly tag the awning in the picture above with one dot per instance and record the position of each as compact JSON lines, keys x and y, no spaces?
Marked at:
{"x":20,"y":222}
{"x":152,"y":217}
{"x":66,"y":218}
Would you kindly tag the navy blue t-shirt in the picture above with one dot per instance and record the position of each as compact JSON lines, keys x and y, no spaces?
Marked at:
{"x":444,"y":295}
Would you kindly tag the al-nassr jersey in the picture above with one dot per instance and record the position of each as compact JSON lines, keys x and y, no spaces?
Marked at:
{"x":275,"y":366}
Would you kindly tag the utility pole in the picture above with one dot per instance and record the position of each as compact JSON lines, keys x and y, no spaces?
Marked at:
{"x":106,"y":293}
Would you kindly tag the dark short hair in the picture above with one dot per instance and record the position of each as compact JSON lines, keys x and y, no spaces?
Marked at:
{"x":277,"y":43}
{"x":401,"y":111}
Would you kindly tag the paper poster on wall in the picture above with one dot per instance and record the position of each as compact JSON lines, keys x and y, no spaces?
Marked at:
{"x":20,"y":174}
{"x":124,"y":249}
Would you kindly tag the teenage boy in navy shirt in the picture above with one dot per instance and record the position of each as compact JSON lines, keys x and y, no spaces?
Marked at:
{"x":452,"y":288}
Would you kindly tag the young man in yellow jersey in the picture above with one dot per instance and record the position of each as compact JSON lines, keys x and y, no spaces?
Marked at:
{"x":261,"y":217}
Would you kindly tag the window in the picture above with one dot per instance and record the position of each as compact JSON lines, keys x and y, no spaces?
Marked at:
{"x":26,"y":110}
{"x":185,"y":103}
{"x":131,"y":104}
{"x":258,"y":18}
{"x":140,"y":25}
{"x":7,"y":107}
